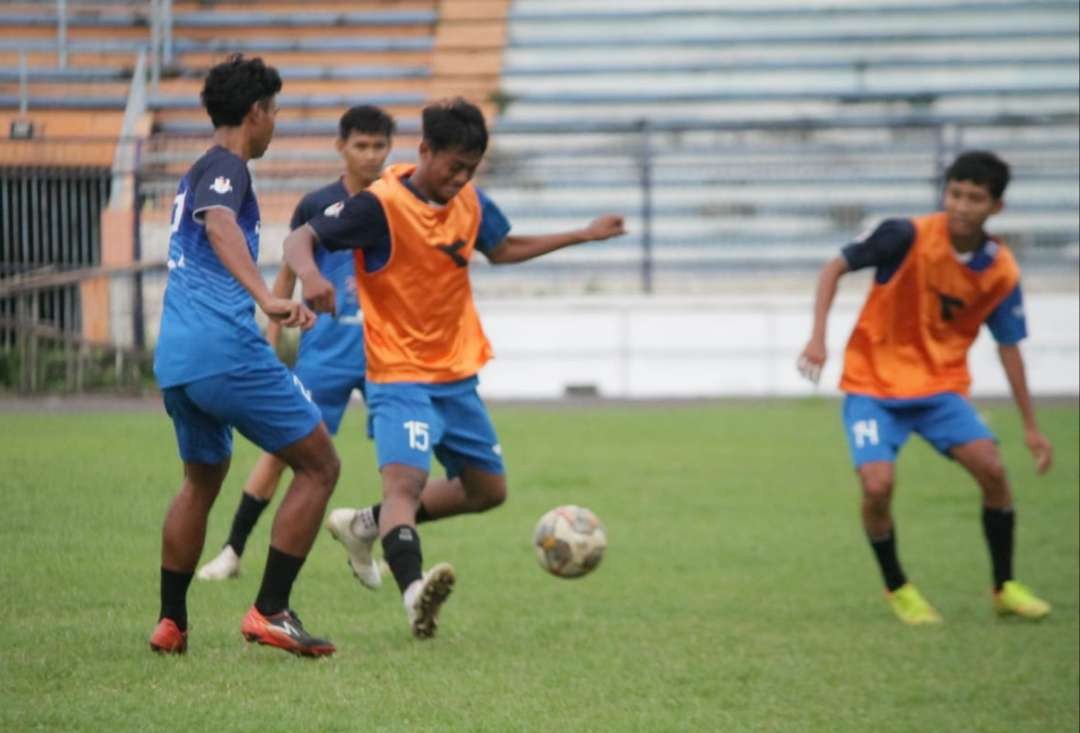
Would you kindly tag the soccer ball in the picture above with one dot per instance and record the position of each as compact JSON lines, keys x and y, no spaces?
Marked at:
{"x":569,"y":541}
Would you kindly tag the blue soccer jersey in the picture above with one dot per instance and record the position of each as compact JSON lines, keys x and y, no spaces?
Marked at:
{"x":208,"y":319}
{"x":336,"y":342}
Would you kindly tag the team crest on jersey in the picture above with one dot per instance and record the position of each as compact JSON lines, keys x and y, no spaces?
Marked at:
{"x":334,"y":210}
{"x":221,"y":185}
{"x":949,"y":305}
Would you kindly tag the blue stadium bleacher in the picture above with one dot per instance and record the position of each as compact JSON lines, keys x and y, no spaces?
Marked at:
{"x":726,"y":129}
{"x":318,"y":19}
{"x":299,"y":101}
{"x":321,"y":43}
{"x":771,"y":133}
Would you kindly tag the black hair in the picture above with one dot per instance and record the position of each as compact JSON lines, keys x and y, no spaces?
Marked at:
{"x":234,"y":85}
{"x":982,"y":168}
{"x":365,"y":119}
{"x":455,"y":124}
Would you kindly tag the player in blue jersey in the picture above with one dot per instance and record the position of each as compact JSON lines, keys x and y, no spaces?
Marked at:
{"x":331,"y":359}
{"x":217,"y":372}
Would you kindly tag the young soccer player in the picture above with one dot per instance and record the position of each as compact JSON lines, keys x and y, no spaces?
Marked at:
{"x":937,"y":280}
{"x":416,"y":229}
{"x":216,"y":371}
{"x":331,"y":358}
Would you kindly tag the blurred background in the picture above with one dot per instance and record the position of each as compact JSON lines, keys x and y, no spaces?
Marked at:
{"x":745,"y":142}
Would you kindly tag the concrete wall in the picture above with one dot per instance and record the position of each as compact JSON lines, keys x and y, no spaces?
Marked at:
{"x":738,"y":344}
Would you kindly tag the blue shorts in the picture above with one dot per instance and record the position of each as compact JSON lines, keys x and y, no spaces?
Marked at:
{"x":876,"y":429}
{"x":267,"y":404}
{"x":410,"y":421}
{"x":331,"y":390}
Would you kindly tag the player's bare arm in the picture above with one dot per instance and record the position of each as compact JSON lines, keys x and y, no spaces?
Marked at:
{"x":299,"y":249}
{"x":231,"y":248}
{"x":521,"y":248}
{"x":284,"y":285}
{"x":1013,"y":363}
{"x":813,"y":356}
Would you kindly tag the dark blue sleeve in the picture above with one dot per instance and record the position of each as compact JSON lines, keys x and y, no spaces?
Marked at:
{"x":1007,"y":322}
{"x":303,"y":212}
{"x":884,"y":248}
{"x":359,"y":223}
{"x":494,"y":226}
{"x":224,"y":183}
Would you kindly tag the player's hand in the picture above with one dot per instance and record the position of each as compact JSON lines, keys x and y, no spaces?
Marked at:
{"x":605,"y":227}
{"x":319,"y":294}
{"x":288,"y":313}
{"x":1040,"y":448}
{"x":812,"y":360}
{"x":307,"y":318}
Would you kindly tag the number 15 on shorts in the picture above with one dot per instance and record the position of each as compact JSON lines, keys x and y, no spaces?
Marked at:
{"x":419,"y":438}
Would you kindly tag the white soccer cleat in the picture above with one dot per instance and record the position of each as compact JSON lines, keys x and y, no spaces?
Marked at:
{"x":357,"y":530}
{"x":425,"y":597}
{"x":226,"y":565}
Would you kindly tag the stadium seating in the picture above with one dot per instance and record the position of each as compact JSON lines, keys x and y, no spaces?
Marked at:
{"x":768,"y":134}
{"x":734,"y":133}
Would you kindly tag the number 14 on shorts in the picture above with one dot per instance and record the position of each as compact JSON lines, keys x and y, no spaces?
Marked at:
{"x":419,"y":437}
{"x":865,"y":431}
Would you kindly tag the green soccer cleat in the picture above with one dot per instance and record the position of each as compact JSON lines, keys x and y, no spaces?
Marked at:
{"x":910,"y":607}
{"x":1018,"y":600}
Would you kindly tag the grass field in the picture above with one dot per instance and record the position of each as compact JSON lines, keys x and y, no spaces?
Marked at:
{"x":738,"y":593}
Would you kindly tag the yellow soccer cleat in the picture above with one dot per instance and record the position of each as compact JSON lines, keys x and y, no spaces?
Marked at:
{"x":1018,"y":600}
{"x":910,"y":607}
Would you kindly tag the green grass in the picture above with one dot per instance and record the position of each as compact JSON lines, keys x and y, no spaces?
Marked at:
{"x":738,"y":593}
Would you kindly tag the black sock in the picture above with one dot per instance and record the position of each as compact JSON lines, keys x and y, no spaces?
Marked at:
{"x":281,"y":571}
{"x":421,"y":513}
{"x":998,"y":526}
{"x":174,"y":596}
{"x":401,"y":547}
{"x":247,"y":514}
{"x":885,"y":552}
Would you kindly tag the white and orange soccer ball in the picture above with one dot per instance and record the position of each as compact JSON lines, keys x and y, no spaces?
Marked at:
{"x":569,"y":541}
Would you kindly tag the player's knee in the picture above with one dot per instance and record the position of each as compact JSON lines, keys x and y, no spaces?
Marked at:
{"x":495,"y":496}
{"x":323,"y":469}
{"x":484,"y":490}
{"x":331,"y":471}
{"x":877,"y":487}
{"x":404,"y":484}
{"x":992,"y":474}
{"x":203,"y":481}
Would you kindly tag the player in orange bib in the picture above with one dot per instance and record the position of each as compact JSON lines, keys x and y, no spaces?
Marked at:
{"x":414,"y":232}
{"x":938,"y":279}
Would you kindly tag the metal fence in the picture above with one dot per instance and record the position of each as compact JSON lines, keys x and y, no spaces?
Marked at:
{"x":49,"y":222}
{"x":41,"y":344}
{"x":52,"y":195}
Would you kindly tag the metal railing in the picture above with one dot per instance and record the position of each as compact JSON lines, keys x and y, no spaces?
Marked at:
{"x":42,"y":347}
{"x":703,"y":197}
